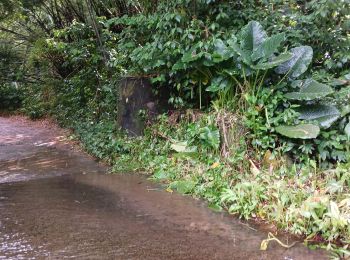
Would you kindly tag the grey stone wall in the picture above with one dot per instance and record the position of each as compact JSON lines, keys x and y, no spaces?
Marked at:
{"x":135,"y":94}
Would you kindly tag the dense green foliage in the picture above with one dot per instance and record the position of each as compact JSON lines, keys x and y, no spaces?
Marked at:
{"x":261,"y":89}
{"x":300,"y":199}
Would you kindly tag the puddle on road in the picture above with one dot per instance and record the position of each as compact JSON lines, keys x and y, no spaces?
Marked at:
{"x":57,"y":204}
{"x":93,"y":215}
{"x":43,"y":163}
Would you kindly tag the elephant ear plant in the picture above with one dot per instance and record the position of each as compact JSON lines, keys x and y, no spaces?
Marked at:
{"x":250,"y":60}
{"x":251,"y":63}
{"x":320,"y":107}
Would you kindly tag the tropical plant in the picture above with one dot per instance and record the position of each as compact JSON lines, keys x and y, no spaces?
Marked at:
{"x":249,"y":68}
{"x":246,"y":62}
{"x":320,"y":107}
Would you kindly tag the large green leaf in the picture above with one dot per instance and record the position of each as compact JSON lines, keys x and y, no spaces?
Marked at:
{"x":310,"y":90}
{"x":298,"y":64}
{"x":244,"y":54}
{"x":347,"y":130}
{"x":183,"y":147}
{"x":325,"y":115}
{"x":275,"y":61}
{"x":305,"y":131}
{"x":183,"y":186}
{"x":268,"y":47}
{"x":217,"y":84}
{"x":251,"y":36}
{"x":221,"y":51}
{"x":345,"y":110}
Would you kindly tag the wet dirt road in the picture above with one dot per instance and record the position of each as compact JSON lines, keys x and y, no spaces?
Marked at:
{"x":57,"y":203}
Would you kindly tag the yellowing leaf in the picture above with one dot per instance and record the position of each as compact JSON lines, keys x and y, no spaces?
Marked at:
{"x":264,"y":244}
{"x":215,"y":165}
{"x":253,"y":169}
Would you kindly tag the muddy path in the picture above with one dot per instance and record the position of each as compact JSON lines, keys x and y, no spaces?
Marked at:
{"x":57,"y":202}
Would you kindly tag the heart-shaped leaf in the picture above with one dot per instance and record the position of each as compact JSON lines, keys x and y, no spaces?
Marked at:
{"x":325,"y":115}
{"x":268,"y":47}
{"x":305,"y":131}
{"x":310,"y":90}
{"x":273,"y":62}
{"x":298,"y":64}
{"x":251,"y":36}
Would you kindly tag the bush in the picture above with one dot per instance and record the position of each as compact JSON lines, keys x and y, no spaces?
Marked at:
{"x":11,"y":96}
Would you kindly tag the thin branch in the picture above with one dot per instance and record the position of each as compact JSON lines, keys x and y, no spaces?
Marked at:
{"x":23,"y":37}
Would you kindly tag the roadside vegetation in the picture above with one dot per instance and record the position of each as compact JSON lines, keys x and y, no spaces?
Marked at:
{"x":259,"y":114}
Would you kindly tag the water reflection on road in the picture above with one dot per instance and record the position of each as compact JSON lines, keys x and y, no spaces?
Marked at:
{"x":58,"y":203}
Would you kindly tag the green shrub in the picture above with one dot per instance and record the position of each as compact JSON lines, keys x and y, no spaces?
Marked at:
{"x":11,"y":96}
